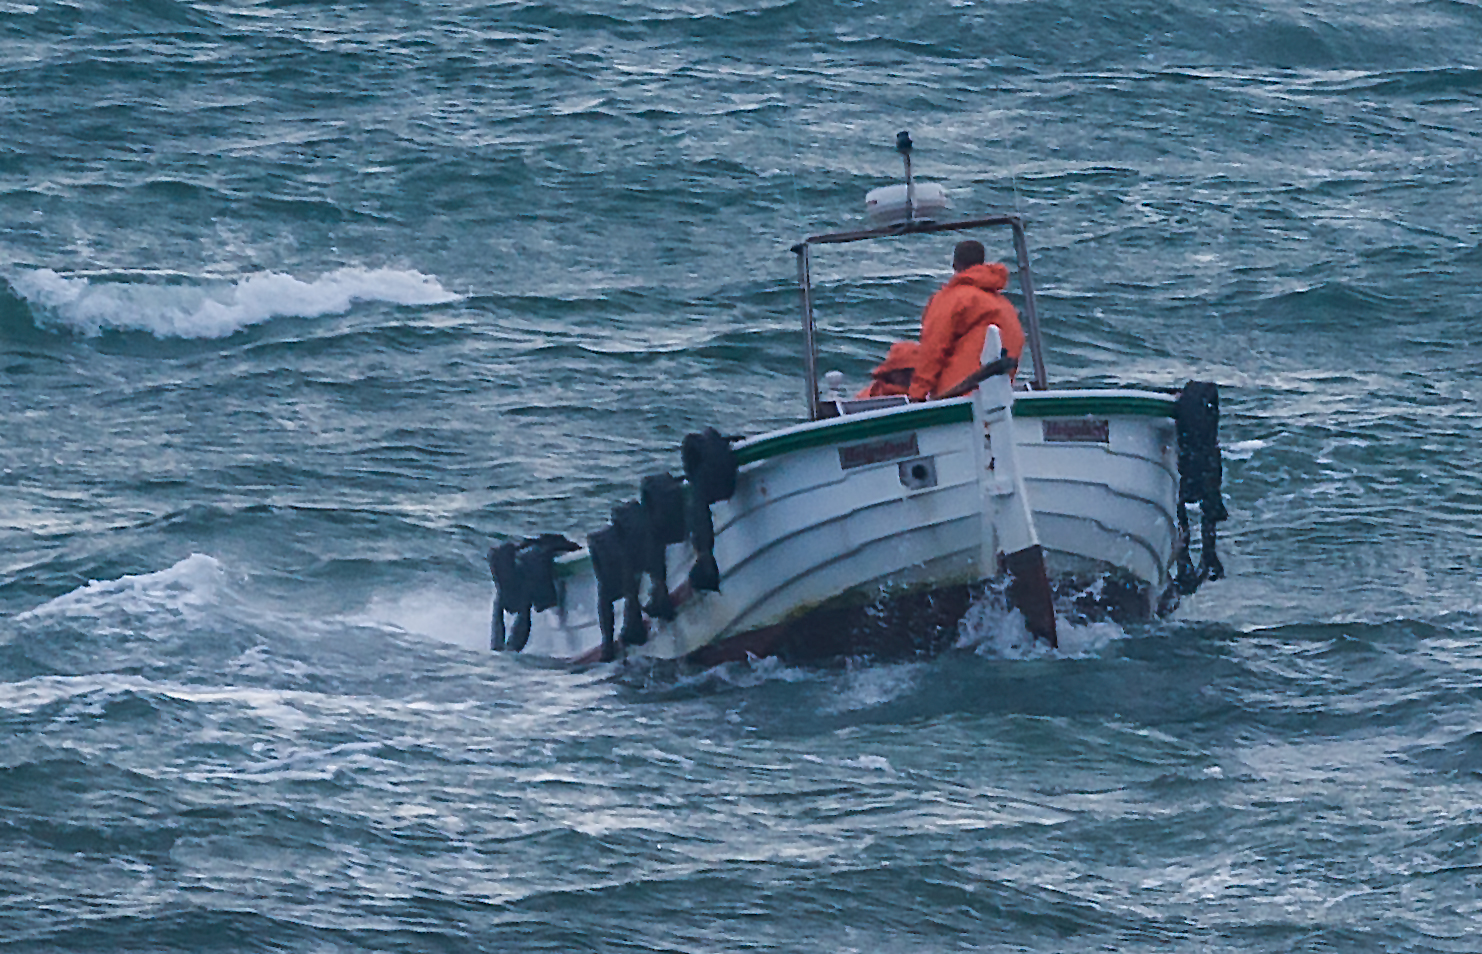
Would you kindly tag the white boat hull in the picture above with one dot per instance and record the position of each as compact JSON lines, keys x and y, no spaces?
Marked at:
{"x":1103,"y":484}
{"x":835,"y":521}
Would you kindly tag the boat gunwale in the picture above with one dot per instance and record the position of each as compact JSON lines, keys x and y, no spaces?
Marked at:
{"x":1087,"y":402}
{"x":1122,"y":402}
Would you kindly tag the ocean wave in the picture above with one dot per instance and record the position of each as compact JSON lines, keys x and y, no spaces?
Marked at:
{"x":91,"y":306}
{"x":869,"y":687}
{"x":460,"y":618}
{"x":188,"y":585}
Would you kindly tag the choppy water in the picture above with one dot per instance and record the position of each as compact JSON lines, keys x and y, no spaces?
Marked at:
{"x":305,"y":303}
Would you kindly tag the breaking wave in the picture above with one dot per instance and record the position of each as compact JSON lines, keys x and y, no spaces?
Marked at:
{"x":184,"y":587}
{"x":453,"y":617}
{"x":91,"y":306}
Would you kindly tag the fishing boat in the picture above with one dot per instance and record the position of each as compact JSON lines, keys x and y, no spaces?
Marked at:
{"x":871,"y":527}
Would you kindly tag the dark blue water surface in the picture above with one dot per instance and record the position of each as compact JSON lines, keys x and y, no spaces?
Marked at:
{"x":303,"y":304}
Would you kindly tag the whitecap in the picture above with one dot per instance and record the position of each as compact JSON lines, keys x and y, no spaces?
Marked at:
{"x":214,"y":309}
{"x":455,"y":617}
{"x":1243,"y":450}
{"x":185,"y":586}
{"x":754,"y":671}
{"x":871,"y":763}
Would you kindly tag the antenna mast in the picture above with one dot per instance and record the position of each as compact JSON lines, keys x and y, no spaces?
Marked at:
{"x":903,"y":146}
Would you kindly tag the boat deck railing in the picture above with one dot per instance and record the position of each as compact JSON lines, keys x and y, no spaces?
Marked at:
{"x":802,"y":249}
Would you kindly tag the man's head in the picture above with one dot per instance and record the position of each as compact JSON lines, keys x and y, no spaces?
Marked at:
{"x":968,"y":253}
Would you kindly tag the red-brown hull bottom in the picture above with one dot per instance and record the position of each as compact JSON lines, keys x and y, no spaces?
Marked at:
{"x":913,"y":624}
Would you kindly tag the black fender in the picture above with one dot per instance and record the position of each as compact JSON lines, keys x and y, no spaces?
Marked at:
{"x":524,"y":576}
{"x":711,"y":468}
{"x":632,"y":529}
{"x":1200,"y":481}
{"x":709,"y":465}
{"x":662,"y":498}
{"x":608,"y":567}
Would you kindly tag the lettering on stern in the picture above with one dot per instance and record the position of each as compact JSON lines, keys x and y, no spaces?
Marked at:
{"x":1082,"y":431}
{"x":895,"y":447}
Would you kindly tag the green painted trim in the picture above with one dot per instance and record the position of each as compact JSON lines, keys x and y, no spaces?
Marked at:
{"x":1078,"y":406}
{"x":846,"y":429}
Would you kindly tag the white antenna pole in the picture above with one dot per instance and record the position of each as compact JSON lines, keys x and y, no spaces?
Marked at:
{"x":903,"y":146}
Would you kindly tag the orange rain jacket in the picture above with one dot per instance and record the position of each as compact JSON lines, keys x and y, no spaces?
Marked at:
{"x":901,"y":357}
{"x":954,"y":324}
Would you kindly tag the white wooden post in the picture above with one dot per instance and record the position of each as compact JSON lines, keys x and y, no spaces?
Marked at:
{"x":1008,"y":520}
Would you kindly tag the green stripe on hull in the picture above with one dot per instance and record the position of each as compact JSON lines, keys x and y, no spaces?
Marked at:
{"x":845,"y":430}
{"x":917,"y":417}
{"x":1120,"y":405}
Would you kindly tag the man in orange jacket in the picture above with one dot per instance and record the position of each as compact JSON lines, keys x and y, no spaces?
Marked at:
{"x":957,"y":318}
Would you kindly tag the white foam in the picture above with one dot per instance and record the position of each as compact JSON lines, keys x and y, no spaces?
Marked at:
{"x":458,"y":618}
{"x":182,"y":588}
{"x":1243,"y":450}
{"x":748,"y":674}
{"x":989,"y":629}
{"x":873,"y":685}
{"x":872,"y":763}
{"x":215,"y":309}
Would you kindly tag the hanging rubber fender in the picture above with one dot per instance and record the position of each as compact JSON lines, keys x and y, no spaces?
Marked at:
{"x":506,"y":596}
{"x":608,"y":567}
{"x":662,"y":496}
{"x":536,"y":564}
{"x":524,"y":576}
{"x":632,"y":530}
{"x":709,"y":465}
{"x":705,"y":574}
{"x":1200,"y":480}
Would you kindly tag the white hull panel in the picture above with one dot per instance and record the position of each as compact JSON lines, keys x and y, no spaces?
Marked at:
{"x":806,"y":530}
{"x":1114,"y":503}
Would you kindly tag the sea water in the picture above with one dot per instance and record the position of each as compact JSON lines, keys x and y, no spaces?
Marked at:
{"x":305,"y":304}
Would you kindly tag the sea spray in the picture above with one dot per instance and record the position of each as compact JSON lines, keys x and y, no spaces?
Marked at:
{"x":990,"y":629}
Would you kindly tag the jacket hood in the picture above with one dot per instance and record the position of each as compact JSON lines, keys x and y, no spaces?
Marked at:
{"x":902,"y":355}
{"x":990,"y":276}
